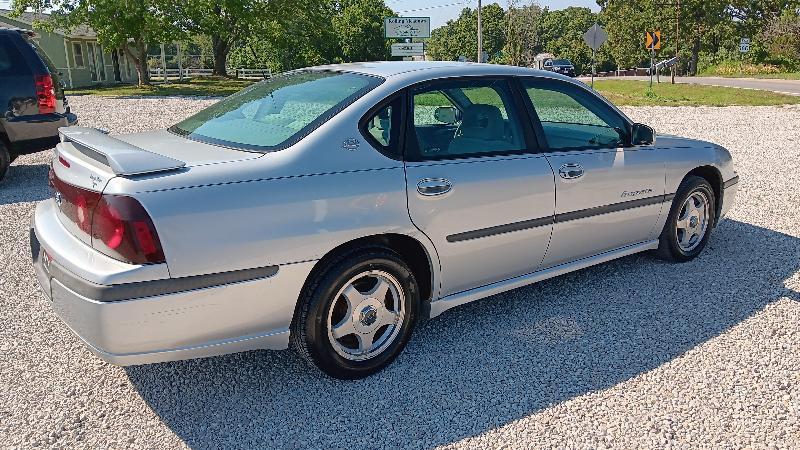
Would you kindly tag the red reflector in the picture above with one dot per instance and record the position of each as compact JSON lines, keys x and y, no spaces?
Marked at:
{"x":45,"y":94}
{"x":63,"y":162}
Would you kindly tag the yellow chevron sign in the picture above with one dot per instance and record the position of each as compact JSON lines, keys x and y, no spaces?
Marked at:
{"x":653,"y":40}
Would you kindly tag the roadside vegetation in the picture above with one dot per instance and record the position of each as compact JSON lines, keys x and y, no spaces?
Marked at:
{"x":637,"y":93}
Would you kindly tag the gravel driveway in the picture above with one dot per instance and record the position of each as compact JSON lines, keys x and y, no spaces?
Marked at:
{"x":632,"y":353}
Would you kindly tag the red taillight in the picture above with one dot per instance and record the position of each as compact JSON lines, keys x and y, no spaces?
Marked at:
{"x":118,"y":225}
{"x":76,"y":203}
{"x":46,"y":94}
{"x":122,"y":229}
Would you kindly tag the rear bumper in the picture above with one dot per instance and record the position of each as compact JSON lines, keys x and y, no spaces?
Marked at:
{"x":31,"y":134}
{"x":167,"y":320}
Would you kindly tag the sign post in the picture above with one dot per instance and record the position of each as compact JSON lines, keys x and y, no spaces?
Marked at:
{"x":594,"y":38}
{"x":652,"y":43}
{"x":406,"y":27}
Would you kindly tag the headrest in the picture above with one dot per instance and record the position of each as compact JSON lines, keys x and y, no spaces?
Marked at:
{"x":483,"y":122}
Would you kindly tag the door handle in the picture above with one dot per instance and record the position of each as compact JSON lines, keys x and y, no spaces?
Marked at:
{"x":570,"y":171}
{"x":434,"y":186}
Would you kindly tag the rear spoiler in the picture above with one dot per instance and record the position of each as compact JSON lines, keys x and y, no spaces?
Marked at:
{"x":122,"y":157}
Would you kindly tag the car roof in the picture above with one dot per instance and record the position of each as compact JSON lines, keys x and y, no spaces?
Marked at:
{"x":389,"y":69}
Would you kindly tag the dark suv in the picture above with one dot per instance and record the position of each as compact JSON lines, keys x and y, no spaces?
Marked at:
{"x":32,"y":102}
{"x":562,"y":66}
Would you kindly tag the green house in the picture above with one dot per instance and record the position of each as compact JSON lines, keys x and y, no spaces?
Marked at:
{"x":77,"y":55}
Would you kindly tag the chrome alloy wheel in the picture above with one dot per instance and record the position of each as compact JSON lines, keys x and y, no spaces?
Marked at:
{"x":366,"y":315}
{"x":692,"y":222}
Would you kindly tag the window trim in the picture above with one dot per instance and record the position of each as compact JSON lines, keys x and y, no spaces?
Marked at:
{"x":395,"y":148}
{"x":530,"y":141}
{"x":82,"y":65}
{"x":537,"y":123}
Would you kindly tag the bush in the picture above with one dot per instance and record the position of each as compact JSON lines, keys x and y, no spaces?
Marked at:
{"x":729,"y":68}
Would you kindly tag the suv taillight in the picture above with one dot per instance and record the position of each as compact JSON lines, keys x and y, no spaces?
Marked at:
{"x":46,"y":94}
{"x":118,"y":225}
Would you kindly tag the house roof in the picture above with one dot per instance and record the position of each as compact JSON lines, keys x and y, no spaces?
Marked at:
{"x":28,"y":18}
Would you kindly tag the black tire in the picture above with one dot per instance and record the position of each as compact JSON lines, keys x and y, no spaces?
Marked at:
{"x":669,"y":247}
{"x":309,"y":334}
{"x":5,"y":161}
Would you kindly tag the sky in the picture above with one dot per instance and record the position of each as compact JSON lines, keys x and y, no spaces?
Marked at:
{"x":440,"y":11}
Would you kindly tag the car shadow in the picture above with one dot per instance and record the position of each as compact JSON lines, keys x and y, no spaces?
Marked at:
{"x":487,"y":363}
{"x":24,"y":183}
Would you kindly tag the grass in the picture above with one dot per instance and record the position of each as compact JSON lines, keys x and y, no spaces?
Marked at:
{"x":636,"y":93}
{"x":205,"y":86}
{"x":763,"y":76}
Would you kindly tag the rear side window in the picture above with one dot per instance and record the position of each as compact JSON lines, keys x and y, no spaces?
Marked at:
{"x":382,"y":128}
{"x":12,"y":63}
{"x":278,"y":112}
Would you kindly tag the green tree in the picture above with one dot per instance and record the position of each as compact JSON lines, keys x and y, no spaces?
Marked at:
{"x":562,"y":34}
{"x":297,"y":34}
{"x":459,"y":37}
{"x":359,"y":27}
{"x":132,"y":26}
{"x":224,"y":21}
{"x":523,"y":36}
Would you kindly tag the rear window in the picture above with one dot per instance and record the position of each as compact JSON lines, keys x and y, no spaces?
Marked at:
{"x":12,"y":63}
{"x":562,"y":62}
{"x":278,"y":112}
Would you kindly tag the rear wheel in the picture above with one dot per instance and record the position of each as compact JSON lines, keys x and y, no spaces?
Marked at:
{"x":5,"y":160}
{"x":690,"y":221}
{"x":356,"y":315}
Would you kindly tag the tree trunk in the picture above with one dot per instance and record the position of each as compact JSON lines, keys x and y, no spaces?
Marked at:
{"x":139,"y":57}
{"x":220,"y":47}
{"x":695,"y":56}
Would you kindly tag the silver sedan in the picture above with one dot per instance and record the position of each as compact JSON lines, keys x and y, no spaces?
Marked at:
{"x":332,"y":208}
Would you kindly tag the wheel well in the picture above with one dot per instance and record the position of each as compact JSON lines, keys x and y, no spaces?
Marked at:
{"x":409,"y":249}
{"x":714,"y":178}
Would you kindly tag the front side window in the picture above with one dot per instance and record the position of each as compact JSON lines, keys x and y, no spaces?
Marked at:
{"x":573,"y":118}
{"x":277,"y":112}
{"x":464,"y":118}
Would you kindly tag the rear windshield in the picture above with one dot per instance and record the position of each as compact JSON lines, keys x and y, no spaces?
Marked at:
{"x":278,"y":112}
{"x":562,"y":62}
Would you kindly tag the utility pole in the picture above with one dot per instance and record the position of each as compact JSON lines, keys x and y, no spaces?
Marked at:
{"x":677,"y":39}
{"x":480,"y":34}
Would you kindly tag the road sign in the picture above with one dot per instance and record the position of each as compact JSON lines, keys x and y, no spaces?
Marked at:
{"x":653,"y":40}
{"x":407,"y":27}
{"x":744,"y":45}
{"x":595,"y":37}
{"x":408,"y":49}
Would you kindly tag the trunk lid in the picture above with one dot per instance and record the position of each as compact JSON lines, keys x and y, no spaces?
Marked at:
{"x":87,"y":158}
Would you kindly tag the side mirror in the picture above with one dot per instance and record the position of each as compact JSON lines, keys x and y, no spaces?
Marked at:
{"x":446,"y":114}
{"x":643,"y":135}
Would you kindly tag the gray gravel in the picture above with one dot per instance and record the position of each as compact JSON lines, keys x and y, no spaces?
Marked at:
{"x":633,"y":353}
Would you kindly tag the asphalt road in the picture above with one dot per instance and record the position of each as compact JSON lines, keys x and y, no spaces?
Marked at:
{"x":783,"y":86}
{"x":634,"y":353}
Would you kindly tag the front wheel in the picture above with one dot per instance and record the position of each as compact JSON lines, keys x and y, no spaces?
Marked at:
{"x":356,"y":315}
{"x":690,"y":221}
